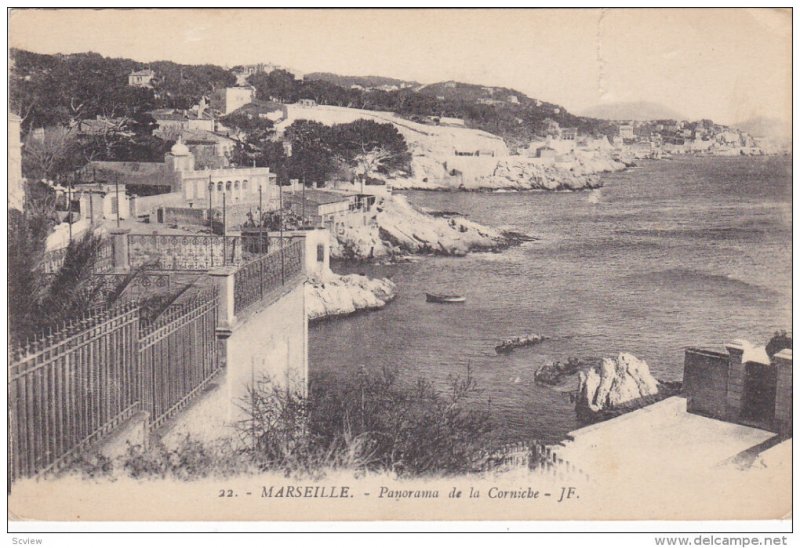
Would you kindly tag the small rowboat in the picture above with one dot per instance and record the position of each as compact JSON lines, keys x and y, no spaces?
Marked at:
{"x":510,"y":344}
{"x":446,"y":299}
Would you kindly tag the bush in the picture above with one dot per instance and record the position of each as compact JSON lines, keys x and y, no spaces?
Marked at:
{"x":374,"y":422}
{"x":410,"y":429}
{"x":276,"y":434}
{"x":190,"y":460}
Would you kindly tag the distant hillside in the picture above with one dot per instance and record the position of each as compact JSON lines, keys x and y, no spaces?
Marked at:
{"x":638,"y":110}
{"x":473,"y":93}
{"x":54,"y":89}
{"x":771,"y":128}
{"x":364,"y":81}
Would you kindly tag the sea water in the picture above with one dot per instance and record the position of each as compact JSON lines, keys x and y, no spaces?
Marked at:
{"x":687,"y":252}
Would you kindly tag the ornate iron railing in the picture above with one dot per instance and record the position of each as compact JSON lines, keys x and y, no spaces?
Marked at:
{"x":183,"y":252}
{"x":53,"y":260}
{"x":256,"y":279}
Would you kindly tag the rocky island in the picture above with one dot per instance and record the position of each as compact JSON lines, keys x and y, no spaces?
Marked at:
{"x":618,"y":385}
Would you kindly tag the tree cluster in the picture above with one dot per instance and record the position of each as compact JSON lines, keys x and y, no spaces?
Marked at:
{"x":356,"y":150}
{"x":57,"y":152}
{"x":48,"y":90}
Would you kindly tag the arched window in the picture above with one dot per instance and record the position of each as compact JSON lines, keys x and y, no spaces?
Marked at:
{"x":219,"y":186}
{"x":228,"y":186}
{"x":244,"y":185}
{"x":236,"y":185}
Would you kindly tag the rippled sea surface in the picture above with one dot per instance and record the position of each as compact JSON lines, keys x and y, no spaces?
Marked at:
{"x":688,"y":252}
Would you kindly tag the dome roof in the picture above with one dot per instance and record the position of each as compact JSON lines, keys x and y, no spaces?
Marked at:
{"x":179,"y":149}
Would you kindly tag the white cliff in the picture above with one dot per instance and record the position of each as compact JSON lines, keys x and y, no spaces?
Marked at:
{"x":614,"y":384}
{"x":575,"y":171}
{"x":330,"y":294}
{"x":459,"y":158}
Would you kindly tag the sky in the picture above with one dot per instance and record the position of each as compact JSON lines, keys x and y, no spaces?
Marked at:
{"x":725,"y":64}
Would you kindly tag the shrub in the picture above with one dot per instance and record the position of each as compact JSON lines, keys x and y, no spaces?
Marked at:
{"x":410,"y":429}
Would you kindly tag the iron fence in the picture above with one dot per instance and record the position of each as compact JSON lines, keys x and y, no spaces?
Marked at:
{"x":183,"y":252}
{"x":54,"y":259}
{"x":257,"y":278}
{"x":72,"y":387}
{"x":178,"y":356}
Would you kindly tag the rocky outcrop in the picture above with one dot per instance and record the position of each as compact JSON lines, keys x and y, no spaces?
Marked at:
{"x":339,"y":295}
{"x":579,"y":171}
{"x":620,"y":383}
{"x":399,"y":229}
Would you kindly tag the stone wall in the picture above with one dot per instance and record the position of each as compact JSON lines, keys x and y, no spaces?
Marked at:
{"x":185,"y":216}
{"x":714,"y":384}
{"x":736,"y":374}
{"x":270,"y":342}
{"x":783,"y":392}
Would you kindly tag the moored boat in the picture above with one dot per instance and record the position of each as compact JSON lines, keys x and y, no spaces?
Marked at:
{"x":447,"y":299}
{"x":510,"y":344}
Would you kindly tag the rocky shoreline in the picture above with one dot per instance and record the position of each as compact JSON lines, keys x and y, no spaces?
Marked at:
{"x":399,"y":229}
{"x":335,"y":295}
{"x":518,"y":173}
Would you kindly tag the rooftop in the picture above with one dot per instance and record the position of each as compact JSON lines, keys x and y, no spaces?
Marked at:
{"x":322,"y":196}
{"x":173,"y":114}
{"x":259,"y":106}
{"x":195,"y":136}
{"x":662,"y":436}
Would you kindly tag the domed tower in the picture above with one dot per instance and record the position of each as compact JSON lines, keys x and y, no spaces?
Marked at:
{"x":179,"y":158}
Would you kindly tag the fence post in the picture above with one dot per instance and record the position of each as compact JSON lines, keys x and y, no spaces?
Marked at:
{"x":120,"y":239}
{"x":223,"y":278}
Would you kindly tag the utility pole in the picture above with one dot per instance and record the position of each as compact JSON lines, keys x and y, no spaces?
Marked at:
{"x":69,"y":206}
{"x":280,"y":200}
{"x":224,"y":232}
{"x":210,"y":222}
{"x":260,"y":223}
{"x":304,"y":198}
{"x":116,"y":184}
{"x":91,"y":196}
